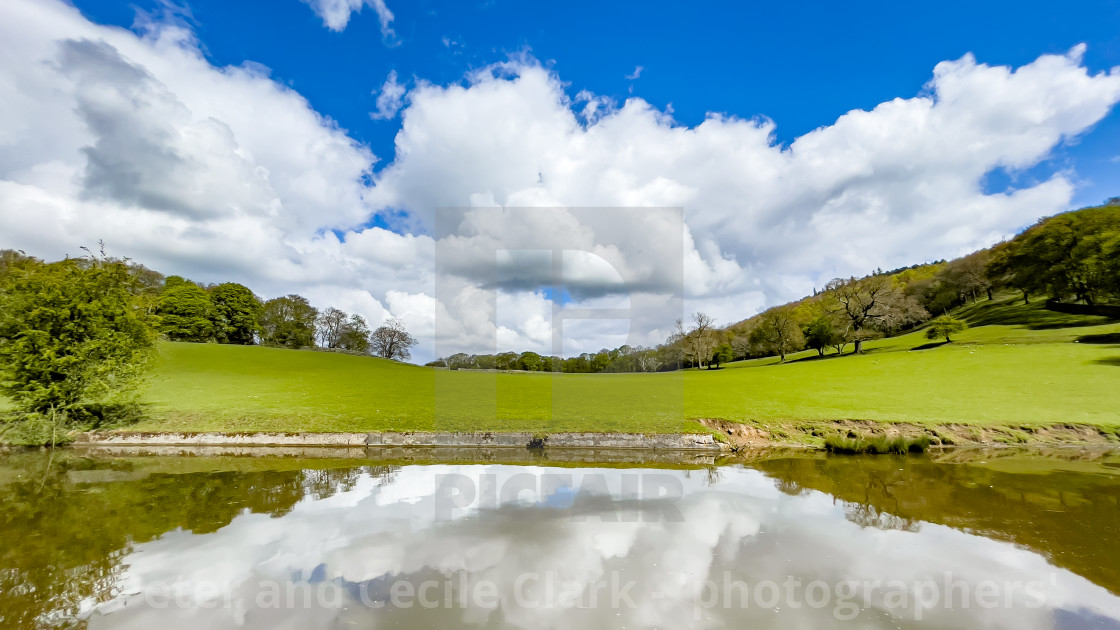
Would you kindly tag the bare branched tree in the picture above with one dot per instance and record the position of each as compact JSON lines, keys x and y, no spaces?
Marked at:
{"x":872,"y":304}
{"x":704,"y":336}
{"x":392,"y":341}
{"x":329,"y":326}
{"x":698,"y":342}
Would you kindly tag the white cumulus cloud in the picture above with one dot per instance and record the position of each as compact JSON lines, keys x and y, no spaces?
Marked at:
{"x":389,"y":99}
{"x":336,"y":15}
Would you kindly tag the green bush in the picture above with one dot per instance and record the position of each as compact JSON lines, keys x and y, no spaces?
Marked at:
{"x":945,"y":326}
{"x":72,"y":333}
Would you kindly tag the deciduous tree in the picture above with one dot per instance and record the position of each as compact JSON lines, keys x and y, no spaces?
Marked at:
{"x":530,"y":361}
{"x":288,"y":321}
{"x":872,"y":305}
{"x":945,"y":326}
{"x":237,"y":313}
{"x":392,"y":341}
{"x":723,"y":354}
{"x":1068,"y":256}
{"x":355,"y":335}
{"x":185,"y":312}
{"x":329,"y":326}
{"x":778,"y":332}
{"x":822,"y":333}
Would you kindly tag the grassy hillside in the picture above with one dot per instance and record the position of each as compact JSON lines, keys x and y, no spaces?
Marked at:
{"x":1018,"y":365}
{"x":209,"y":386}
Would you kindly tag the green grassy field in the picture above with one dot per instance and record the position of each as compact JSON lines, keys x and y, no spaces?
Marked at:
{"x":1017,"y":365}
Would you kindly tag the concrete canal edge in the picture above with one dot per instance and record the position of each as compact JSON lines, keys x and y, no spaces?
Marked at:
{"x":517,"y":439}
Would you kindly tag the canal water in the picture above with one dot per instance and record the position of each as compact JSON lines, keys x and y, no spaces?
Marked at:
{"x":520,"y":539}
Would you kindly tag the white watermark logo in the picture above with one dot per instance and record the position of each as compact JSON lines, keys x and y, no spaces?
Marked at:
{"x":844,"y":599}
{"x":626,"y":498}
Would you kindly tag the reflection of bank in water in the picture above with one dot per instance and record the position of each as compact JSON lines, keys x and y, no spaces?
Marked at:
{"x":1062,"y":503}
{"x":211,"y":530}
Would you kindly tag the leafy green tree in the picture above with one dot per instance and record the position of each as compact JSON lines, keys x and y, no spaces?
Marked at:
{"x":777,"y":332}
{"x":507,"y":361}
{"x":72,"y":334}
{"x":1067,"y":256}
{"x":236,"y":313}
{"x":821,"y":334}
{"x":530,"y":361}
{"x":185,"y":312}
{"x":1111,"y":255}
{"x":355,"y":335}
{"x":175,"y":281}
{"x":945,"y":326}
{"x":968,"y":275}
{"x":935,"y":294}
{"x":288,"y":321}
{"x":600,"y":361}
{"x":460,"y":361}
{"x":723,"y":354}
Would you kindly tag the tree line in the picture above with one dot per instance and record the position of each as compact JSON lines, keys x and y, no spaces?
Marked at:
{"x":76,"y":335}
{"x":231,"y":313}
{"x":1073,"y":257}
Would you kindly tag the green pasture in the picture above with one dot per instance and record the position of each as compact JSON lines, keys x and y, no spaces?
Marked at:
{"x":1016,"y":365}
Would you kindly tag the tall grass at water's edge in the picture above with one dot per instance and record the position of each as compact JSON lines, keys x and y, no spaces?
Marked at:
{"x":879,"y":445}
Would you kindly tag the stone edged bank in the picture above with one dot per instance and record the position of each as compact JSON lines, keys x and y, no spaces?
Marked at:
{"x":516,"y":439}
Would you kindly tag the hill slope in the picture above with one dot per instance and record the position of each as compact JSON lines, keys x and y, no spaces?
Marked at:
{"x":1018,"y":365}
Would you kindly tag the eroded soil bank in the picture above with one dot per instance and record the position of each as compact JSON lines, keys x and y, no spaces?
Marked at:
{"x":747,"y":435}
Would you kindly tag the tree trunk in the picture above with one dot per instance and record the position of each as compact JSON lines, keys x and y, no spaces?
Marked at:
{"x":821,"y":351}
{"x":1026,"y":298}
{"x":859,"y":346}
{"x":989,"y":294}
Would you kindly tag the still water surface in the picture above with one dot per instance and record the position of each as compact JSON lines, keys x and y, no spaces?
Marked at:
{"x":958,"y":540}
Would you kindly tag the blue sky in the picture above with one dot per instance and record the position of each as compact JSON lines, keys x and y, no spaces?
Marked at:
{"x":236,"y":141}
{"x":800,"y":64}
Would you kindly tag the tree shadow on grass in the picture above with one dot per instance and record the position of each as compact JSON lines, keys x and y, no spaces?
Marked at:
{"x":97,"y":416}
{"x":815,"y":357}
{"x":1099,"y":322}
{"x":1034,"y":316}
{"x":1105,"y":338}
{"x":929,"y":346}
{"x":1110,"y":361}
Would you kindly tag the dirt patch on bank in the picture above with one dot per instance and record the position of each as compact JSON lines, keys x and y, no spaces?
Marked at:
{"x":750,"y":435}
